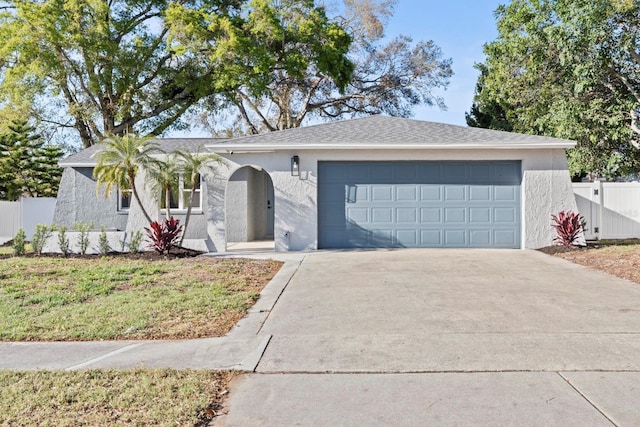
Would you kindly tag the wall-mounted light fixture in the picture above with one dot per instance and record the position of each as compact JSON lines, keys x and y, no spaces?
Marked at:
{"x":295,"y":166}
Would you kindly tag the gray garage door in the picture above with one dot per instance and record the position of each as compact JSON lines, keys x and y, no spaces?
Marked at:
{"x":419,"y":204}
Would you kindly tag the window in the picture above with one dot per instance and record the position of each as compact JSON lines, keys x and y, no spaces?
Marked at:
{"x":124,"y":199}
{"x":180,"y":194}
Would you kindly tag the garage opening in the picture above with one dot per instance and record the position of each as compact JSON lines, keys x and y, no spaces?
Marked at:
{"x":419,"y":204}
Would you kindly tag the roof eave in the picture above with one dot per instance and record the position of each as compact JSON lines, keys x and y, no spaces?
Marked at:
{"x":254,"y":148}
{"x":77,"y":165}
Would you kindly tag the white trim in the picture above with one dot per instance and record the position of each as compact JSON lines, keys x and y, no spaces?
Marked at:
{"x":260,"y":148}
{"x":182,"y":204}
{"x":119,"y":208}
{"x":76,"y":165}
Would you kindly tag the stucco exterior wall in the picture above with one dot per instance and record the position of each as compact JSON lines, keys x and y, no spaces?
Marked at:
{"x":546,"y":188}
{"x":234,"y":212}
{"x":78,"y":201}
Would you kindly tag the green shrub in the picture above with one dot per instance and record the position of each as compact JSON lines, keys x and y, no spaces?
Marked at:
{"x":83,"y":229}
{"x":63,"y":240}
{"x":19,"y":241}
{"x":40,"y":237}
{"x":103,"y":242}
{"x":135,"y":242}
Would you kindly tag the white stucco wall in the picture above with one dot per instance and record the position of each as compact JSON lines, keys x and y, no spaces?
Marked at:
{"x":546,"y":189}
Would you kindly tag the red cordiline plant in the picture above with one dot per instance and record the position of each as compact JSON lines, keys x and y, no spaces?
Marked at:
{"x":164,"y":235}
{"x":568,"y":226}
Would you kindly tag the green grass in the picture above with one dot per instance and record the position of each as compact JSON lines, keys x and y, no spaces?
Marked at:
{"x":160,"y":397}
{"x":8,"y":250}
{"x":121,"y":298}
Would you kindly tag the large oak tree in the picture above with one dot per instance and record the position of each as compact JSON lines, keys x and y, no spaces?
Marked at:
{"x":568,"y":69}
{"x":100,"y":67}
{"x":312,"y":64}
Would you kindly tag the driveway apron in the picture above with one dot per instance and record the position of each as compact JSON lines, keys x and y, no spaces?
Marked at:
{"x":446,"y":337}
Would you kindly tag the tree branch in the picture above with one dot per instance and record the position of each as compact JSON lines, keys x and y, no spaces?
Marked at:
{"x":243,"y":113}
{"x":634,"y":127}
{"x":255,"y":108}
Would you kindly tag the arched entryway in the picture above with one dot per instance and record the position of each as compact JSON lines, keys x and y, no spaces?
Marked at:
{"x":249,"y":206}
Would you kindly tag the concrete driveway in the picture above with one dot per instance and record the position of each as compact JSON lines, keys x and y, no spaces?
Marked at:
{"x":453,"y":337}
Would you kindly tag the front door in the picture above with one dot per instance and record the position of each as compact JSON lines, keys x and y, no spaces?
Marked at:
{"x":270,"y":206}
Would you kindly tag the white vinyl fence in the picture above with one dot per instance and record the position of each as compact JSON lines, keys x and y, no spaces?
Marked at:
{"x":26,"y":213}
{"x":611,"y":209}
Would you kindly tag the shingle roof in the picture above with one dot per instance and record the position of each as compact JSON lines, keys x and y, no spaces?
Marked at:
{"x":373,"y":131}
{"x":86,"y":156}
{"x":389,"y":131}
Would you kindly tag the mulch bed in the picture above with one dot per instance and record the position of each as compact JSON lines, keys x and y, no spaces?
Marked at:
{"x":620,"y":258}
{"x":176,"y":252}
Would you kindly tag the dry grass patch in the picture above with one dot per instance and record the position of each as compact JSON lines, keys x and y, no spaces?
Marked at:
{"x":621,"y":259}
{"x":121,"y":298}
{"x":160,"y":397}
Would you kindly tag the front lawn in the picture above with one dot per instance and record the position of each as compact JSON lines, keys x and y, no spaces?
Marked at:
{"x":116,"y":297}
{"x":141,"y":397}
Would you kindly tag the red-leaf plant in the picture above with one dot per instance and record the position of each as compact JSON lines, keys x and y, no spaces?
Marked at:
{"x":568,"y":226}
{"x":164,"y":235}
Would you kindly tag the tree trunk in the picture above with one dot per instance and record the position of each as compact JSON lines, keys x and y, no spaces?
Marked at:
{"x":191,"y":197}
{"x":134,"y":190}
{"x":167,"y":201}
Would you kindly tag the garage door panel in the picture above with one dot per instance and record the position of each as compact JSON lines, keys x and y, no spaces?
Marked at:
{"x":454,"y":193}
{"x":480,"y":193}
{"x":479,"y":172}
{"x":505,"y":238}
{"x":358,"y":215}
{"x":506,"y":193}
{"x":358,"y":173}
{"x":407,"y":173}
{"x":455,"y":173}
{"x":480,"y":238}
{"x":431,"y":215}
{"x":333,"y":237}
{"x":506,"y":215}
{"x":430,"y":193}
{"x":455,"y":215}
{"x":406,"y":193}
{"x":430,"y":172}
{"x":455,"y":238}
{"x":480,"y":215}
{"x":407,"y":238}
{"x":381,"y":216}
{"x":407,"y":216}
{"x":334,"y":215}
{"x":431,"y":238}
{"x":381,"y":193}
{"x":383,"y":172}
{"x":419,"y":204}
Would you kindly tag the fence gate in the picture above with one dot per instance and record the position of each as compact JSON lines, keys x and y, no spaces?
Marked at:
{"x":611,"y":209}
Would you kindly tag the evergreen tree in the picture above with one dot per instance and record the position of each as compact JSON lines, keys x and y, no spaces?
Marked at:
{"x":28,"y":167}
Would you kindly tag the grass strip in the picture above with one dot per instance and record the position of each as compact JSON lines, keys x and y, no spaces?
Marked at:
{"x":159,"y":397}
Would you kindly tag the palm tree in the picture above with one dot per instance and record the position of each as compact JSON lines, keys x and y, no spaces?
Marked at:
{"x":164,"y":176}
{"x":119,"y":161}
{"x":192,"y":166}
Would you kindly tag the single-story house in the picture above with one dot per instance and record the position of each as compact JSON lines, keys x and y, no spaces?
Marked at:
{"x":374,"y":182}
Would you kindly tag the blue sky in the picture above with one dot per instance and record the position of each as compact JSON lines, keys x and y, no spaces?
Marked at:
{"x":459,"y":28}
